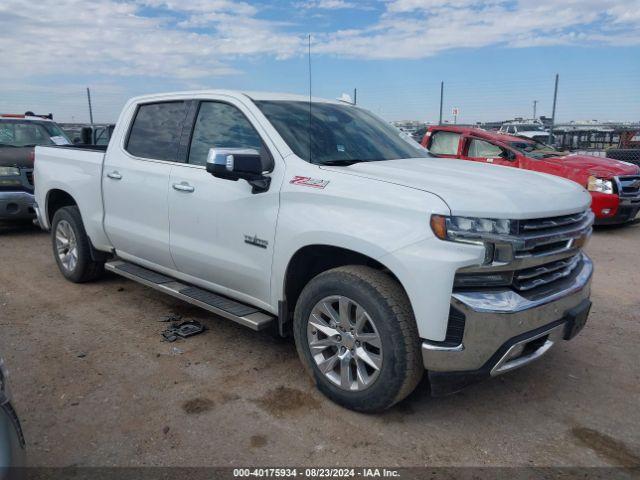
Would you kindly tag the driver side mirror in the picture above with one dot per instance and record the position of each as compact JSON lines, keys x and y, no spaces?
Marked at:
{"x":239,"y":163}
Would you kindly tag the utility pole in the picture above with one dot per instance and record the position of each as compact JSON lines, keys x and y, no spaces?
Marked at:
{"x":441,"y":97}
{"x":553,"y":110}
{"x":535,"y":104}
{"x":90,"y":109}
{"x":355,"y":96}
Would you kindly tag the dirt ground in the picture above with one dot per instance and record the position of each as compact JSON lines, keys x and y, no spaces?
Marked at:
{"x":95,"y":386}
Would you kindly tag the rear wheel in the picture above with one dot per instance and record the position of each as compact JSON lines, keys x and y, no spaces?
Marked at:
{"x":355,"y":333}
{"x":71,"y":247}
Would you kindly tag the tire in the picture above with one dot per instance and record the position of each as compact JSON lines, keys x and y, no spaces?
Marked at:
{"x":67,"y":224}
{"x":387,"y":313}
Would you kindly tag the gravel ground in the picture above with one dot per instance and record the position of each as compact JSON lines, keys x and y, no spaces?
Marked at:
{"x":95,"y":386}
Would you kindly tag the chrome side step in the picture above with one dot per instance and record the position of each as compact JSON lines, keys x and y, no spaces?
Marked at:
{"x":225,"y":307}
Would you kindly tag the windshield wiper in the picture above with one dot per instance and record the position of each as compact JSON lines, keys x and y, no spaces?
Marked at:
{"x":341,"y":163}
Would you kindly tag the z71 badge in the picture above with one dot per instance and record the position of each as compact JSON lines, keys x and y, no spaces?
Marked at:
{"x":309,"y":182}
{"x":255,"y":241}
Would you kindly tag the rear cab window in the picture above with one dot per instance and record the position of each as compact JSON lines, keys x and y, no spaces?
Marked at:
{"x":156,"y":131}
{"x":444,"y":143}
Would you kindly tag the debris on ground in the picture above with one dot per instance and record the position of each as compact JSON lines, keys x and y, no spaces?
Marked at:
{"x":172,"y":317}
{"x":182,"y":330}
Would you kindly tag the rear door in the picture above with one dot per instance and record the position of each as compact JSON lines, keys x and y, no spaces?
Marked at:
{"x":479,"y":150}
{"x":444,"y":144}
{"x":136,"y":181}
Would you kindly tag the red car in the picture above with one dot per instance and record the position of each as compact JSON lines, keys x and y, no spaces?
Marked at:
{"x":614,"y":185}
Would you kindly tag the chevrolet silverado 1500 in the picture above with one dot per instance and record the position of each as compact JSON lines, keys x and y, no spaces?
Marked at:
{"x":318,"y":219}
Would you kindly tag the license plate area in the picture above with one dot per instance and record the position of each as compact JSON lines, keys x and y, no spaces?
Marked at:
{"x":576,"y":319}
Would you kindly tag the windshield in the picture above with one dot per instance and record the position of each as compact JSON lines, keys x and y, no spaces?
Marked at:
{"x":27,"y":133}
{"x":535,"y":149}
{"x":338,"y":133}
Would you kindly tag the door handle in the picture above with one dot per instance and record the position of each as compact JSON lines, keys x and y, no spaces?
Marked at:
{"x":183,"y":187}
{"x":115,"y":175}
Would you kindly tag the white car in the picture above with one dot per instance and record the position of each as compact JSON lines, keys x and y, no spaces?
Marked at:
{"x":532,"y":129}
{"x":320,"y":220}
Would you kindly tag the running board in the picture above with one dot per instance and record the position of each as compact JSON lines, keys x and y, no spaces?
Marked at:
{"x":225,"y":307}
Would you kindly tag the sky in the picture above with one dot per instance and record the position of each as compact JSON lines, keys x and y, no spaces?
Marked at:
{"x":495,"y":57}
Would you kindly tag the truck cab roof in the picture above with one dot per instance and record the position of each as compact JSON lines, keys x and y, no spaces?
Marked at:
{"x":253,"y":95}
{"x":25,"y":117}
{"x":480,"y":132}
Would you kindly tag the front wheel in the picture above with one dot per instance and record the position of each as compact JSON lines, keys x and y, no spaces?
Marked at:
{"x":355,"y":332}
{"x":72,"y":248}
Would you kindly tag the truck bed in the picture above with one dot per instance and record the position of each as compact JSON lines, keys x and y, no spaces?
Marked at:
{"x":76,"y":170}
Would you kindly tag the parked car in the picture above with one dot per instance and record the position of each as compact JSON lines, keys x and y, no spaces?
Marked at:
{"x":12,"y":443}
{"x":19,"y":134}
{"x":380,"y":261}
{"x":530,"y":129}
{"x":614,"y":185}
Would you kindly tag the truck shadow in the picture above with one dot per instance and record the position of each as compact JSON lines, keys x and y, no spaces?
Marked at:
{"x":612,"y":228}
{"x":25,"y":227}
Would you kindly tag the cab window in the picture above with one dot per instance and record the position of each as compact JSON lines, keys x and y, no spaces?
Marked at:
{"x":482,"y":149}
{"x":156,"y":131}
{"x":220,"y":125}
{"x":444,"y":143}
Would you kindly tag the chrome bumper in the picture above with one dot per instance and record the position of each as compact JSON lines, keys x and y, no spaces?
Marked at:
{"x":499,"y":323}
{"x":16,"y":205}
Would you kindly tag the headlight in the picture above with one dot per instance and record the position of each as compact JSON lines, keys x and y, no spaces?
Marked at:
{"x":596,"y":184}
{"x":9,"y":171}
{"x":468,"y":229}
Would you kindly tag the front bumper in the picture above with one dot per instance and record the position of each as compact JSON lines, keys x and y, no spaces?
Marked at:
{"x":17,"y":206}
{"x":626,"y":211}
{"x":503,"y":331}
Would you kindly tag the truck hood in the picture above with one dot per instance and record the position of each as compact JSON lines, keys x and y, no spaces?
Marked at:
{"x":588,"y":164}
{"x":479,"y":190}
{"x":16,"y":157}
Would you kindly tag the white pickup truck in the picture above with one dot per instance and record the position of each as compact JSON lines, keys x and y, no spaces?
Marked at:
{"x":320,"y":220}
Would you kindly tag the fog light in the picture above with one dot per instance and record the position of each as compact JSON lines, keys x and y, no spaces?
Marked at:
{"x":605,"y":211}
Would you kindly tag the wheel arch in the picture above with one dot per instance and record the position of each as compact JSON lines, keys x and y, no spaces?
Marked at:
{"x":311,"y":260}
{"x":56,"y":199}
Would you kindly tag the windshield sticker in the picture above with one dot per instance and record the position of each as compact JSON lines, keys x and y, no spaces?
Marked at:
{"x":340,"y":148}
{"x":309,"y":182}
{"x":59,"y":140}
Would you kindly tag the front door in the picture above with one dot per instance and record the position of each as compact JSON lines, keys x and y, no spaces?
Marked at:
{"x":135,"y":183}
{"x":222,"y":234}
{"x":486,"y":152}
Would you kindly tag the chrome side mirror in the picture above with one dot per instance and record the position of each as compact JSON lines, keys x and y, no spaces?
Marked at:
{"x":238,"y":163}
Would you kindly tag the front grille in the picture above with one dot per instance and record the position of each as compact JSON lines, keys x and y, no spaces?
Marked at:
{"x":629,"y":186}
{"x":545,"y":236}
{"x":552,"y":224}
{"x":29,"y":174}
{"x":530,"y":278}
{"x":537,"y":254}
